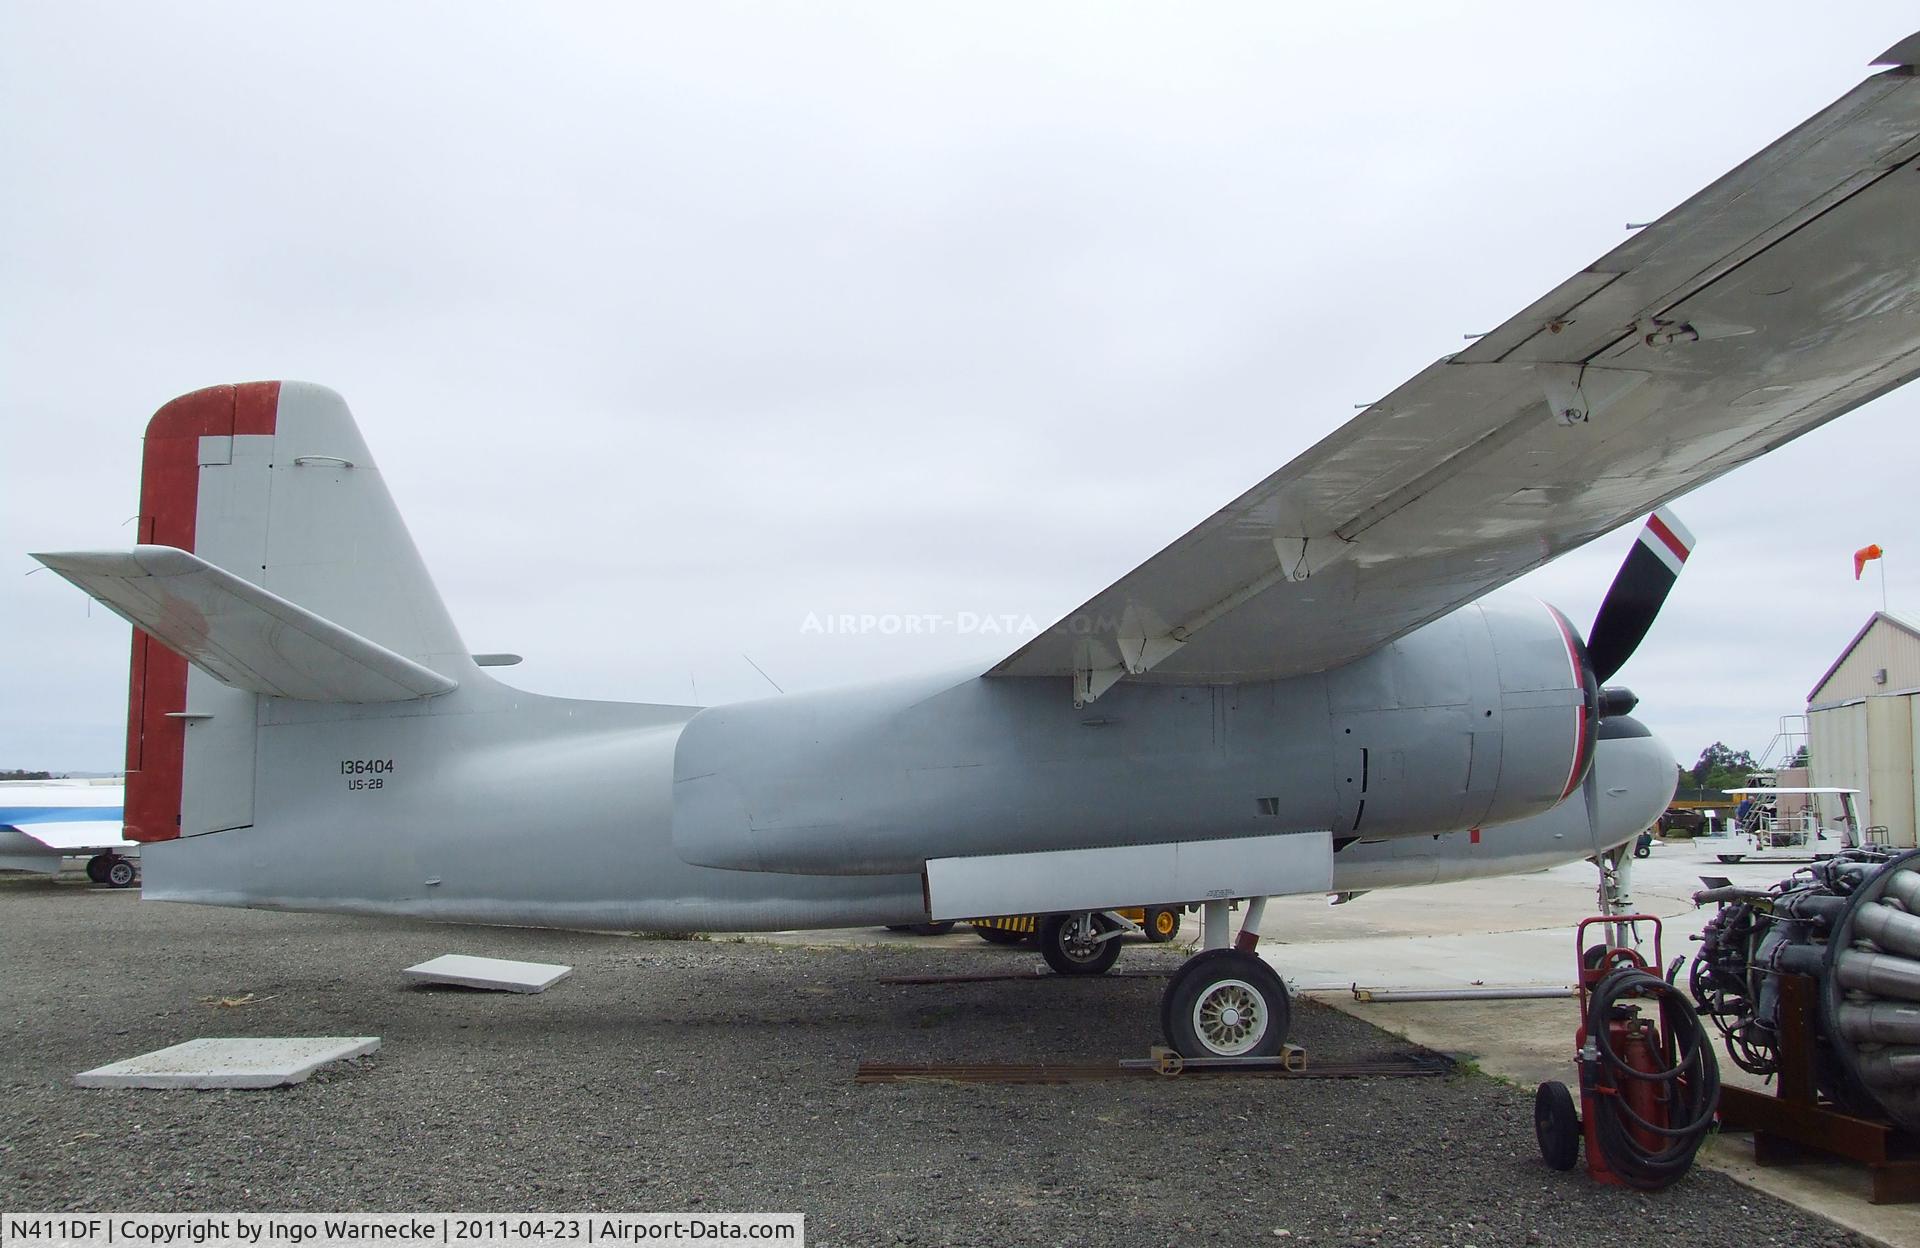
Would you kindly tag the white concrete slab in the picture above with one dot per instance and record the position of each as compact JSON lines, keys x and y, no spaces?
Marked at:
{"x":242,"y":1062}
{"x":499,"y":974}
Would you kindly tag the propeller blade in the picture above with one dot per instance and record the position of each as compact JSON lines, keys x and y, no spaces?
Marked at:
{"x":1638,"y":591}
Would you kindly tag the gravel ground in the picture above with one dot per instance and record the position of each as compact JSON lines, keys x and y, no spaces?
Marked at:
{"x":717,"y":1075}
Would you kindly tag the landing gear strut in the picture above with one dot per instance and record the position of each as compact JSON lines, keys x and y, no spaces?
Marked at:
{"x":1616,"y":894}
{"x":1225,"y":1001}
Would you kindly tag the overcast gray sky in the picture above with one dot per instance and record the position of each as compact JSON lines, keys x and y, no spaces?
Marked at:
{"x":674,"y":325}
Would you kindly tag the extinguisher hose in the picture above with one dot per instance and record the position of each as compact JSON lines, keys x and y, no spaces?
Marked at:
{"x":1689,"y":1087}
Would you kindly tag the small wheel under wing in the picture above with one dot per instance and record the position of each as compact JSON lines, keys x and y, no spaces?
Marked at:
{"x":1071,"y":943}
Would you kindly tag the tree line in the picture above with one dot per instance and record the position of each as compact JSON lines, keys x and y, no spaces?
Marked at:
{"x":1721,"y":767}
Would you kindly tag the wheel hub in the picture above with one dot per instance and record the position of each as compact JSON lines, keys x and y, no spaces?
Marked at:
{"x":1230,"y":1017}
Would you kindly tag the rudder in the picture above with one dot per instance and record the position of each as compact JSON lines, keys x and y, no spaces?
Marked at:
{"x":272,"y":482}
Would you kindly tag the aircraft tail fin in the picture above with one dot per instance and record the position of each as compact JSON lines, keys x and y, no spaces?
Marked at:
{"x":290,"y":575}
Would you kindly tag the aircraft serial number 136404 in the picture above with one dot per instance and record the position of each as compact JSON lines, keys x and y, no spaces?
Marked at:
{"x":1314,"y":689}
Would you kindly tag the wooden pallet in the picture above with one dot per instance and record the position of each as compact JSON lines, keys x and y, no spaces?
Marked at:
{"x":1795,"y":1125}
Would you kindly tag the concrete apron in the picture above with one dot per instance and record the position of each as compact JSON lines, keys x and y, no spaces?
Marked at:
{"x":1518,"y":932}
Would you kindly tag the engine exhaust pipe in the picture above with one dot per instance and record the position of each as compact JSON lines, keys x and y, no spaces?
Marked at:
{"x":1881,"y":1022}
{"x":1899,"y":1068}
{"x":1904,"y":887}
{"x":1879,"y":974}
{"x":1891,"y":930}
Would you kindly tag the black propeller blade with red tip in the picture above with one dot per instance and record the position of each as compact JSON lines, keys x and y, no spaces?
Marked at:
{"x":1626,"y":614}
{"x":1638,"y":590}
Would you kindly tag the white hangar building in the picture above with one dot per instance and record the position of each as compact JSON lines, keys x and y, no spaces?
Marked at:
{"x":1863,"y":723}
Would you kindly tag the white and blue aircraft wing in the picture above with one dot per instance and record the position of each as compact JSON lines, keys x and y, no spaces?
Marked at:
{"x":44,"y":821}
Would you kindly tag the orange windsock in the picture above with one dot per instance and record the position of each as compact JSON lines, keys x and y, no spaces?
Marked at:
{"x":1860,"y":558}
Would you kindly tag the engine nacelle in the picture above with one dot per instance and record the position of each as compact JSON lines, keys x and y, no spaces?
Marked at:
{"x":1476,"y":718}
{"x":1480,"y":717}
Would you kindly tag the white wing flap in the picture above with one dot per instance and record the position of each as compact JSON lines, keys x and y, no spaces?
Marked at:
{"x":1783,"y":295}
{"x":74,"y":836}
{"x":241,"y":634}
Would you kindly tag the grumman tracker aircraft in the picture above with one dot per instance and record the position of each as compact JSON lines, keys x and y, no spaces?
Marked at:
{"x":1314,"y":690}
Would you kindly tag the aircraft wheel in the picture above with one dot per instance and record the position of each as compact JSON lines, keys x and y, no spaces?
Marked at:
{"x":1556,"y":1126}
{"x":1162,"y":925}
{"x":1224,"y":1003}
{"x":97,"y":867}
{"x":1000,"y":935}
{"x":1067,"y":943}
{"x":120,"y":872}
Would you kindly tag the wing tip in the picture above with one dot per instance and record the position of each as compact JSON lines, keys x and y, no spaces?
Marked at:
{"x":129,"y":562}
{"x":1902,"y":55}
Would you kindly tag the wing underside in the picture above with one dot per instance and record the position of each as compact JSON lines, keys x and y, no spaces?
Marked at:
{"x":1783,"y":295}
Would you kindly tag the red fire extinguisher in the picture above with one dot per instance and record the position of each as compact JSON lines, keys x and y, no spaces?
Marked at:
{"x":1649,"y":1086}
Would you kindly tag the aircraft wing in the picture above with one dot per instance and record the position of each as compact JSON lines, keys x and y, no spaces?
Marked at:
{"x":1781,"y":296}
{"x":72,"y":838}
{"x":64,"y":816}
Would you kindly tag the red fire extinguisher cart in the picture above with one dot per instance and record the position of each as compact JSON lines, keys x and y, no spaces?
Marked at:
{"x":1649,"y":1082}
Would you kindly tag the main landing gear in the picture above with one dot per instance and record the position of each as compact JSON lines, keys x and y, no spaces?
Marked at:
{"x":1226,"y":1001}
{"x":1081,"y":944}
{"x":111,"y":869}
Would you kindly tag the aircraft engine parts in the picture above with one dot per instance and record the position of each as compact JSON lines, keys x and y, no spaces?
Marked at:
{"x":1852,"y":923}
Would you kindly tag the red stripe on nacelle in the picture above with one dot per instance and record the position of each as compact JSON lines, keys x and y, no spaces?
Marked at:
{"x":1668,"y":538}
{"x":1582,"y":733}
{"x":169,"y":507}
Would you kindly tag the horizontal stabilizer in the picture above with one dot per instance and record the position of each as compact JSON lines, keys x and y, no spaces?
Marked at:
{"x":241,"y":634}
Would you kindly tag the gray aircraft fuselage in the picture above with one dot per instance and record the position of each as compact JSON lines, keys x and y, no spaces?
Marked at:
{"x":1446,"y":755}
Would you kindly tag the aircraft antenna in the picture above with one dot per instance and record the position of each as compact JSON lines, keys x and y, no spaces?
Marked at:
{"x":763,"y":674}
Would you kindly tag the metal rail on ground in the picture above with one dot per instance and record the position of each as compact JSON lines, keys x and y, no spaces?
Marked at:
{"x":1291,"y":1064}
{"x":1003,"y":977}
